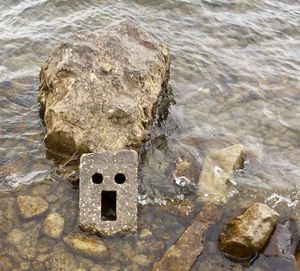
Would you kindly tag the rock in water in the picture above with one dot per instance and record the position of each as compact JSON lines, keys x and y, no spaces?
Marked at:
{"x":184,"y":252}
{"x":54,"y":225}
{"x":99,"y":92}
{"x":31,"y":207}
{"x":248,"y":233}
{"x":217,"y":168}
{"x":86,"y":245}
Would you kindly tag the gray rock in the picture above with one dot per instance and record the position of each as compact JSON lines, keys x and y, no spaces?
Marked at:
{"x":87,"y":245}
{"x":54,"y":225}
{"x":31,"y":207}
{"x":108,"y":192}
{"x":99,"y":92}
{"x":248,"y":233}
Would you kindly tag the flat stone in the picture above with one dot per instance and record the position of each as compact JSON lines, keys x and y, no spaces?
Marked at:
{"x":6,"y":263}
{"x":15,"y":237}
{"x":108,"y":192}
{"x":54,"y":225}
{"x":31,"y":206}
{"x":63,"y":261}
{"x":86,"y":245}
{"x":216,"y":172}
{"x":248,"y":233}
{"x":184,"y":252}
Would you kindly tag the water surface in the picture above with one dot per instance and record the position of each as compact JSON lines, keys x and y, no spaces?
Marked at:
{"x":235,"y":77}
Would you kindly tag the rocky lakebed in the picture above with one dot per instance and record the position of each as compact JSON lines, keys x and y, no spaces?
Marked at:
{"x":203,"y":94}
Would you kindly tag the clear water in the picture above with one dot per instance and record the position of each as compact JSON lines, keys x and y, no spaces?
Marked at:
{"x":236,"y":78}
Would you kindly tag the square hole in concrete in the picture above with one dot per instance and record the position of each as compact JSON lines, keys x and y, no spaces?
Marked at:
{"x":109,"y":205}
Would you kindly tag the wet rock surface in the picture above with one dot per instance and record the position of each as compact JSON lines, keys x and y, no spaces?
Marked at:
{"x":216,"y":172}
{"x":54,"y":225}
{"x":184,"y":252}
{"x":31,"y":206}
{"x":87,"y":245}
{"x":100,"y":92}
{"x":63,"y":261}
{"x":248,"y":233}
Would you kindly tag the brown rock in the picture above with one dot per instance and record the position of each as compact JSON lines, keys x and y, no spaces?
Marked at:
{"x":217,"y":169}
{"x":248,"y":233}
{"x":63,"y":261}
{"x":31,"y":207}
{"x":184,"y":252}
{"x":86,"y":245}
{"x":98,"y":92}
{"x":54,"y":225}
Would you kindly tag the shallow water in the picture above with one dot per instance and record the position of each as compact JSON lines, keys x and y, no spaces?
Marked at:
{"x":235,"y":77}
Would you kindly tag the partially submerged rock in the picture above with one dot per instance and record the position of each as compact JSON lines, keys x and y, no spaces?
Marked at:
{"x":31,"y":206}
{"x":54,"y":225}
{"x":216,"y":173}
{"x":99,"y":92}
{"x":86,"y":245}
{"x":248,"y":233}
{"x":184,"y":252}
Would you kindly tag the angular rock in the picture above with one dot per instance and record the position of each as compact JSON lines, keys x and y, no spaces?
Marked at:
{"x":99,"y":92}
{"x":184,"y":252}
{"x":86,"y":245}
{"x":248,"y":233}
{"x":54,"y":225}
{"x":217,"y":168}
{"x":31,"y":207}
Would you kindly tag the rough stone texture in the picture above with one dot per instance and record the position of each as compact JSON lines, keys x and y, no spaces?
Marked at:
{"x":217,"y":168}
{"x":98,"y":92}
{"x":90,"y":202}
{"x":248,"y":233}
{"x":54,"y":225}
{"x":86,"y":245}
{"x":63,"y":261}
{"x":184,"y":252}
{"x":31,"y":207}
{"x":281,"y":248}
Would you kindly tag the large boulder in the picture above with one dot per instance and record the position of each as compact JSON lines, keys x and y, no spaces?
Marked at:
{"x":99,"y":92}
{"x":248,"y":233}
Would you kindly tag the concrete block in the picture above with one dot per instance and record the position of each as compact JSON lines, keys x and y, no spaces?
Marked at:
{"x":108,"y":192}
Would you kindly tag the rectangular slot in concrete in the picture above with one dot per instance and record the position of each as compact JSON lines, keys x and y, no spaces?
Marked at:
{"x":109,"y":205}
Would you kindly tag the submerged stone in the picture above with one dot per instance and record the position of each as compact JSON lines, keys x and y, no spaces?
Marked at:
{"x":31,"y":206}
{"x":248,"y":233}
{"x":87,"y":245}
{"x":184,"y":252}
{"x":217,"y":169}
{"x":63,"y":261}
{"x":99,"y":92}
{"x":54,"y":225}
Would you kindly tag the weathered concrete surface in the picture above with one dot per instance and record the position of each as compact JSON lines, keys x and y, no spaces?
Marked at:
{"x":54,"y":225}
{"x":98,"y":92}
{"x":31,"y":206}
{"x":92,"y":216}
{"x":248,"y":233}
{"x":216,"y":172}
{"x":87,"y":245}
{"x":184,"y":252}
